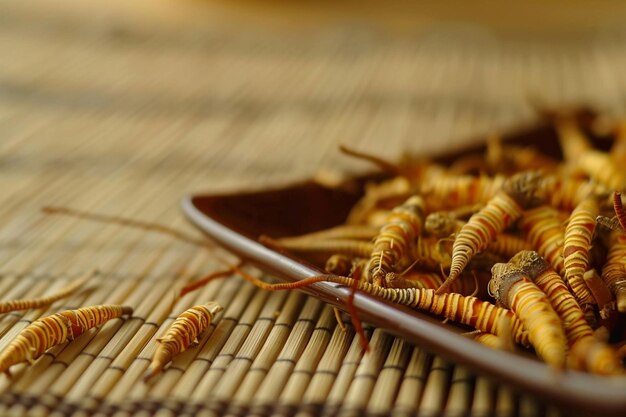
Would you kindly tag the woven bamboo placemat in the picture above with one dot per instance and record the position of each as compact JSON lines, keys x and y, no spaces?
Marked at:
{"x":125,"y":122}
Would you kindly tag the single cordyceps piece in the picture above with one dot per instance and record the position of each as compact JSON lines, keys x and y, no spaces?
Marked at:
{"x":515,"y":290}
{"x":577,"y":242}
{"x":484,"y":227}
{"x":468,"y":310}
{"x":614,"y":270}
{"x":342,"y":232}
{"x":182,"y":333}
{"x":546,"y":234}
{"x":46,"y":332}
{"x":618,"y":207}
{"x":394,"y":243}
{"x":351,"y":247}
{"x":452,"y":191}
{"x":23,"y":304}
{"x":579,"y":152}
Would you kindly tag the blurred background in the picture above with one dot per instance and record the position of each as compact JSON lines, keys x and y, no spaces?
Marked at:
{"x":291,"y":80}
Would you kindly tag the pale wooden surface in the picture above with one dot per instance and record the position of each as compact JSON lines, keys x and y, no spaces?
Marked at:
{"x":124,"y":109}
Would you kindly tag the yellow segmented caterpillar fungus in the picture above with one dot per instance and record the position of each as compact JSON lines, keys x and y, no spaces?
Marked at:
{"x":470,"y":285}
{"x":507,"y":245}
{"x":483,"y":227}
{"x":393,"y":189}
{"x":576,"y":244}
{"x":545,"y":233}
{"x":596,"y":164}
{"x":58,"y":328}
{"x":565,"y":193}
{"x":182,"y":333}
{"x":23,"y":304}
{"x":600,"y":292}
{"x":619,"y":209}
{"x":432,"y":254}
{"x":468,"y":310}
{"x":515,"y":290}
{"x":342,"y":232}
{"x":614,"y":270}
{"x":451,"y":191}
{"x":550,"y":282}
{"x":356,"y":248}
{"x":604,"y":358}
{"x":394,"y":243}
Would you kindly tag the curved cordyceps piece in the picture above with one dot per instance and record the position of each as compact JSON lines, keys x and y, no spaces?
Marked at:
{"x":467,"y":310}
{"x":342,"y":232}
{"x":565,"y":193}
{"x":546,"y":233}
{"x":576,"y":245}
{"x":508,"y":245}
{"x":392,"y":189}
{"x":182,"y":333}
{"x":510,"y":158}
{"x":432,"y":253}
{"x":600,"y":292}
{"x":503,"y":341}
{"x":393,"y":245}
{"x":46,"y":332}
{"x":592,"y":355}
{"x":375,"y":159}
{"x":23,"y":304}
{"x":474,"y":284}
{"x":481,"y":229}
{"x":514,"y":289}
{"x":452,"y":191}
{"x":579,"y":152}
{"x":501,"y":211}
{"x":614,"y":270}
{"x":573,"y":141}
{"x":618,"y":207}
{"x":351,"y":247}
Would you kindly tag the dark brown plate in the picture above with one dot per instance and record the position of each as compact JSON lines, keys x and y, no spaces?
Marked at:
{"x":236,"y":221}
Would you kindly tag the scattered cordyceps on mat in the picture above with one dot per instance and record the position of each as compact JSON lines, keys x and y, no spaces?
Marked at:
{"x":513,"y":243}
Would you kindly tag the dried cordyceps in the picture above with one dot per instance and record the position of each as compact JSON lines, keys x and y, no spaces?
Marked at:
{"x":546,"y":234}
{"x":46,"y":332}
{"x":467,"y":310}
{"x":577,"y":242}
{"x":23,"y":304}
{"x":515,"y":290}
{"x":614,"y":270}
{"x":580,"y":336}
{"x":393,"y":244}
{"x":483,"y":227}
{"x":181,"y":334}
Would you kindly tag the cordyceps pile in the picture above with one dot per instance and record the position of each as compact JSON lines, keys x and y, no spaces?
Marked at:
{"x":524,"y":248}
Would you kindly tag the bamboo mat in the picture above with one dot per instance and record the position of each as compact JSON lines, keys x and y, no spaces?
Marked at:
{"x":124,"y":122}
